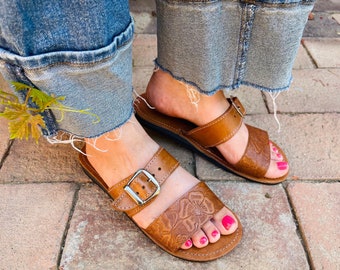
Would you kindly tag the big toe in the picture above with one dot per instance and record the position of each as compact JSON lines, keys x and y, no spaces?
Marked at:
{"x":225,"y":221}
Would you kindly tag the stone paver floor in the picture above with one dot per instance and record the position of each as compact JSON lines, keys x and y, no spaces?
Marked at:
{"x":53,"y":217}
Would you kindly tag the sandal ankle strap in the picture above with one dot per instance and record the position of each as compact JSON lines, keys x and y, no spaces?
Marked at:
{"x":135,"y":192}
{"x":222,"y":128}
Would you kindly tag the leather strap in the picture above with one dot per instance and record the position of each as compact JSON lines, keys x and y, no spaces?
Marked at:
{"x":185,"y":217}
{"x":222,"y":128}
{"x":160,"y":167}
{"x":256,"y":159}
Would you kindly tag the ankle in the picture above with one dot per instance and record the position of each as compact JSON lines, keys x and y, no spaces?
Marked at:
{"x":159,"y":91}
{"x":211,"y":107}
{"x":119,"y":153}
{"x":177,"y":99}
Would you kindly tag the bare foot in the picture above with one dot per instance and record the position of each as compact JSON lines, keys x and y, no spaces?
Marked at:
{"x":172,"y":97}
{"x":122,"y":152}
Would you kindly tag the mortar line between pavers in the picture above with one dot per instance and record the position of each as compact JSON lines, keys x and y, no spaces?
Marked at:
{"x":68,"y":224}
{"x":222,"y":181}
{"x":312,"y":181}
{"x":309,"y":54}
{"x":298,"y":113}
{"x":194,"y":160}
{"x":42,"y":182}
{"x":265,"y":101}
{"x":7,"y":152}
{"x":299,"y":232}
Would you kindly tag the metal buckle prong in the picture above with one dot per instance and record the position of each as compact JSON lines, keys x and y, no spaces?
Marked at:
{"x":237,"y":108}
{"x":134,"y":195}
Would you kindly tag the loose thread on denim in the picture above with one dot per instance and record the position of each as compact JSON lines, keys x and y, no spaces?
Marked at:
{"x":71,"y":139}
{"x":112,"y":136}
{"x":117,"y":135}
{"x":133,"y":122}
{"x":140,"y":97}
{"x":192,"y":93}
{"x":66,"y":138}
{"x":94,"y":145}
{"x":274,"y":95}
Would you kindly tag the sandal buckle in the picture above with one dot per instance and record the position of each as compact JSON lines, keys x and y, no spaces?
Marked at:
{"x":236,"y":107}
{"x":134,"y":195}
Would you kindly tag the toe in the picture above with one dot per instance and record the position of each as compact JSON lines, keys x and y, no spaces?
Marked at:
{"x":211,"y":231}
{"x":225,"y":222}
{"x":278,"y":167}
{"x":188,"y":244}
{"x":275,"y":153}
{"x":200,"y":239}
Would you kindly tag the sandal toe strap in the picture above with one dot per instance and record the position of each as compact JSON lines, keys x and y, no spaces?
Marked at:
{"x":256,"y":159}
{"x":185,"y":217}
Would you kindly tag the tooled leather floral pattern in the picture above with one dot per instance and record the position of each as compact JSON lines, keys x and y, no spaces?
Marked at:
{"x":186,"y":216}
{"x":257,"y":156}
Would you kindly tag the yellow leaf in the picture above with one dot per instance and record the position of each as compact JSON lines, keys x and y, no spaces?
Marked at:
{"x":12,"y":113}
{"x":24,"y":118}
{"x":41,"y":99}
{"x":20,"y":128}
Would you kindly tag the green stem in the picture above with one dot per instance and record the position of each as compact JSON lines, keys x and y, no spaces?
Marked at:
{"x":27,"y":96}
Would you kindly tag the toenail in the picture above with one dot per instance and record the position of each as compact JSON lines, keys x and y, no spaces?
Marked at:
{"x":227,"y":222}
{"x":279,"y":155}
{"x":203,"y":240}
{"x":275,"y":149}
{"x":282,"y":165}
{"x":188,"y":243}
{"x":214,"y":233}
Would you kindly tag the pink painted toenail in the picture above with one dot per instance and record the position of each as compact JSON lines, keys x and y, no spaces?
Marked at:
{"x":282,"y":165}
{"x":203,"y":240}
{"x":275,"y":149}
{"x":227,"y":222}
{"x":279,"y":155}
{"x":214,"y":233}
{"x":188,"y":243}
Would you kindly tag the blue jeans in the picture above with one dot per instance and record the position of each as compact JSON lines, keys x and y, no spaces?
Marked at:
{"x":224,"y":44}
{"x":83,"y":50}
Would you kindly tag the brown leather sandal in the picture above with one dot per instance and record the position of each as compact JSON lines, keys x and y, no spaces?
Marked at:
{"x":204,"y":139}
{"x":181,"y":220}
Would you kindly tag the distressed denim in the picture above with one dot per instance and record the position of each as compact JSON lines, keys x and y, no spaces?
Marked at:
{"x":82,"y":50}
{"x":214,"y":44}
{"x":78,"y":49}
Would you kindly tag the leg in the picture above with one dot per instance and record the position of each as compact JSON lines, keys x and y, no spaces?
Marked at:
{"x":96,"y":74}
{"x":219,"y":45}
{"x":124,"y":154}
{"x":170,"y":97}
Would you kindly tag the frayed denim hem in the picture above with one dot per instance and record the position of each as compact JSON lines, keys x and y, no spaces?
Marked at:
{"x":267,"y":89}
{"x":210,"y":92}
{"x":57,"y":130}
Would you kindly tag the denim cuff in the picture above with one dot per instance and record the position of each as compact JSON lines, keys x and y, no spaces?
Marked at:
{"x":98,"y":80}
